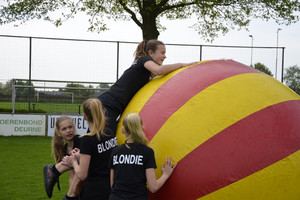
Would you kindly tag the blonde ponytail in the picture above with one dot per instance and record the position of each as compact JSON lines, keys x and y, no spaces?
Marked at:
{"x":133,"y":125}
{"x":94,"y":112}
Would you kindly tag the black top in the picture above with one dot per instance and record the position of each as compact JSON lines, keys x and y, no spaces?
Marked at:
{"x":100,"y":151}
{"x":130,"y":166}
{"x":133,"y":79}
{"x":77,"y":142}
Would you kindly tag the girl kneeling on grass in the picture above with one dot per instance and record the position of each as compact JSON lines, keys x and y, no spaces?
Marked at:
{"x":132,"y":164}
{"x":64,"y":142}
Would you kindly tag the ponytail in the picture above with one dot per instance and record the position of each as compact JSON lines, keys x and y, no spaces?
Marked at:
{"x":133,"y":125}
{"x":140,"y":50}
{"x":94,"y":113}
{"x":145,"y":46}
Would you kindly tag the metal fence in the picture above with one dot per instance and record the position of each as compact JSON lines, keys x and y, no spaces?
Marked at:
{"x":73,"y":60}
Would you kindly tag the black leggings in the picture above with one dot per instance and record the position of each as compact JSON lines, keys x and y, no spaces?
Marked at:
{"x":113,"y":109}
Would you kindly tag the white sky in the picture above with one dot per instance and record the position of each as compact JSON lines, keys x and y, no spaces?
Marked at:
{"x":178,"y":32}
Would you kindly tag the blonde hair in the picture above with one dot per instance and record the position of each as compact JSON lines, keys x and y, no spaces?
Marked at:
{"x":133,"y":125}
{"x":58,"y":142}
{"x":94,"y":113}
{"x":145,"y":46}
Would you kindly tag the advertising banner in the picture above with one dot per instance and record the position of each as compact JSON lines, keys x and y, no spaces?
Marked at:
{"x":22,"y":124}
{"x":80,"y":124}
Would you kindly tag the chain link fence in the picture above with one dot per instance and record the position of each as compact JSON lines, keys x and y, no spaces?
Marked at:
{"x":56,"y":62}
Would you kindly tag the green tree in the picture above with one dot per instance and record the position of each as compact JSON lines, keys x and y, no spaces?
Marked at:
{"x":79,"y":92}
{"x":213,"y":16}
{"x":74,"y":91}
{"x":89,"y":92}
{"x":104,"y":85}
{"x":1,"y":88}
{"x":291,"y":78}
{"x":261,"y":67}
{"x":24,"y":91}
{"x":7,"y":88}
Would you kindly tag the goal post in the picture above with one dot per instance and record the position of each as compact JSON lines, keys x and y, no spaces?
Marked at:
{"x":54,"y":90}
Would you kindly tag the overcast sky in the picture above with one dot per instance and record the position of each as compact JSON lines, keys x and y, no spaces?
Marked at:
{"x":178,"y":32}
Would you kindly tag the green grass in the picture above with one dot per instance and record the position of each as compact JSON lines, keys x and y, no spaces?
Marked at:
{"x":22,"y":107}
{"x":21,"y":168}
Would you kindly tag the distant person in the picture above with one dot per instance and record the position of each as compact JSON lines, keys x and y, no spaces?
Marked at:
{"x":91,"y":167}
{"x":132,"y":164}
{"x":64,"y":142}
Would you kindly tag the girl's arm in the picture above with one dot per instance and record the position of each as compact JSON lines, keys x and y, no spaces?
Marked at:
{"x":164,"y":69}
{"x":111,"y":177}
{"x":155,"y":184}
{"x":81,"y":170}
{"x":77,"y":156}
{"x":71,"y":176}
{"x":75,"y":150}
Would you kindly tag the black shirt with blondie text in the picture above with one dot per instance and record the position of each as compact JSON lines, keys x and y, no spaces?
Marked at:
{"x":130,"y":166}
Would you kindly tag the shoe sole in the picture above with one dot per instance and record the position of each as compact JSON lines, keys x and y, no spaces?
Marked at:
{"x":45,"y":169}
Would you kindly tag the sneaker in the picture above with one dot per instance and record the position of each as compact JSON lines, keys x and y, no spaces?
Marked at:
{"x":50,"y":179}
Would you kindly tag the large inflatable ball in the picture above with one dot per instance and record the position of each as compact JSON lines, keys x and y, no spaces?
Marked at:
{"x":233,"y":131}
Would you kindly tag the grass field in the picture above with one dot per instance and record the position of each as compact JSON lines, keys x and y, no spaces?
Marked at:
{"x":21,"y":168}
{"x":42,"y":107}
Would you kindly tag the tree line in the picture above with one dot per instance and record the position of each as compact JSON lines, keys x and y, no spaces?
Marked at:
{"x":291,"y":79}
{"x":6,"y":89}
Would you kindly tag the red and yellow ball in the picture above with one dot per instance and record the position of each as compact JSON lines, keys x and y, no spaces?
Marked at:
{"x":234,"y":132}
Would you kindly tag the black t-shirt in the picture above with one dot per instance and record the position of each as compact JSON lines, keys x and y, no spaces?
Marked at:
{"x":133,"y":79}
{"x":100,"y":151}
{"x":130,"y":166}
{"x":77,"y":142}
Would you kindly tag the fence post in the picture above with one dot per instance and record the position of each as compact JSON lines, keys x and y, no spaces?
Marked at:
{"x":118,"y":57}
{"x":282,"y":65}
{"x":200,"y":52}
{"x":13,"y":95}
{"x":29,"y":88}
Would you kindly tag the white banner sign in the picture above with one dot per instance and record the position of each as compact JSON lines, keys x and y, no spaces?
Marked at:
{"x":22,"y":124}
{"x":80,"y":124}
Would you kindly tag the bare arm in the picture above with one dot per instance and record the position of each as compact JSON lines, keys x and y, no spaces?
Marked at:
{"x":75,"y":187}
{"x":164,"y":69}
{"x":61,"y":168}
{"x":80,"y":174}
{"x":81,"y":170}
{"x":71,"y":176}
{"x":76,"y":152}
{"x":111,"y":177}
{"x":155,"y":184}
